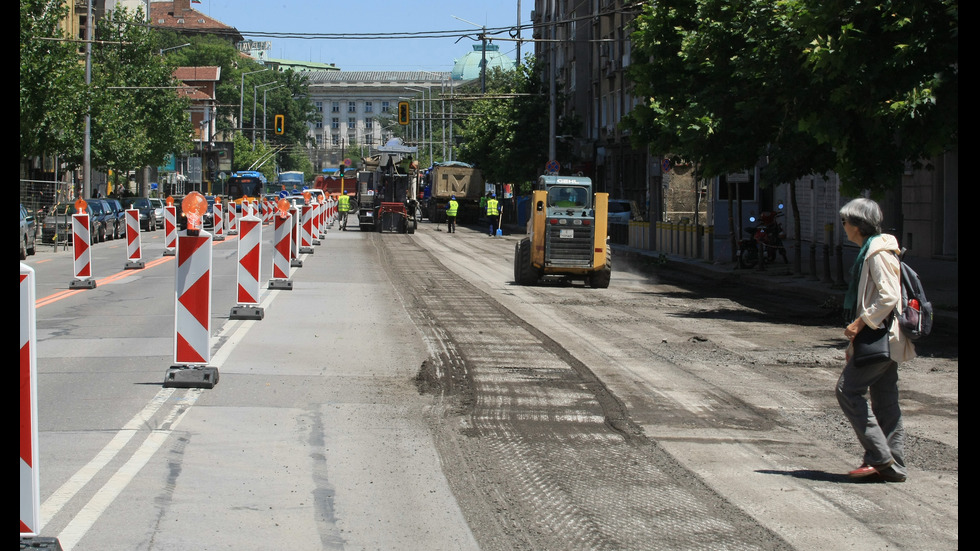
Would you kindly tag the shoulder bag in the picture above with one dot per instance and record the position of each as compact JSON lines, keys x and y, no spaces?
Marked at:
{"x":871,"y":345}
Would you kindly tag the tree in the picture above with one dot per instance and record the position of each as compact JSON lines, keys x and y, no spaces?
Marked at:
{"x":52,"y":82}
{"x":507,"y":137}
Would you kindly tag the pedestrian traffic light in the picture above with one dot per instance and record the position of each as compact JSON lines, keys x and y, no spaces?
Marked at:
{"x":403,"y":113}
{"x":280,"y":124}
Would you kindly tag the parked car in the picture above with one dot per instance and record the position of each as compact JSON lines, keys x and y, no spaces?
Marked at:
{"x":118,"y":230}
{"x":57,"y":225}
{"x":158,"y":205}
{"x":622,"y":211}
{"x":28,"y":233}
{"x":102,"y":218}
{"x":148,"y":218}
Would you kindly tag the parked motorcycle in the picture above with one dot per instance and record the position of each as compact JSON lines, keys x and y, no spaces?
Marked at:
{"x":765,"y":243}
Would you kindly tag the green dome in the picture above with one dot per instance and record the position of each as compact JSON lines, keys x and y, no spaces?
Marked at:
{"x":468,"y":67}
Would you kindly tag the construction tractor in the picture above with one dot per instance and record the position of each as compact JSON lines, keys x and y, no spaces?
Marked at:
{"x":567,"y":234}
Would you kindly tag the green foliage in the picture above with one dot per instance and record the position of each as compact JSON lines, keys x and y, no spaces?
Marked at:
{"x":807,"y":85}
{"x":507,"y":137}
{"x":52,"y":82}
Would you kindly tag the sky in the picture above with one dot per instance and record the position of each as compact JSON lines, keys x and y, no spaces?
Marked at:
{"x":254,"y":18}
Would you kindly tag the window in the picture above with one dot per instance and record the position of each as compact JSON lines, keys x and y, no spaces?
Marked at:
{"x":351,"y":123}
{"x":386,"y":107}
{"x":335,"y":123}
{"x":335,"y":107}
{"x":352,"y":107}
{"x":319,"y":106}
{"x":319,"y":124}
{"x":368,"y":123}
{"x":335,"y":139}
{"x":369,"y":107}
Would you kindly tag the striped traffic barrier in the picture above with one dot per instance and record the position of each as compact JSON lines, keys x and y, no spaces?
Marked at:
{"x":218,"y":220}
{"x":170,"y":228}
{"x":306,"y":229}
{"x":315,"y":232}
{"x":232,"y":228}
{"x":281,"y":247}
{"x":249,"y":260}
{"x":133,"y":250}
{"x":81,"y":248}
{"x":294,"y":236}
{"x":267,"y":210}
{"x":30,"y":495}
{"x":192,"y":319}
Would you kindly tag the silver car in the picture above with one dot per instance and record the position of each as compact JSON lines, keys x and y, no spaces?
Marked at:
{"x":28,"y":233}
{"x":158,"y":205}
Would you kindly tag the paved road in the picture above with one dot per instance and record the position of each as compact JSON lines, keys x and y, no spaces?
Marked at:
{"x":407,"y":395}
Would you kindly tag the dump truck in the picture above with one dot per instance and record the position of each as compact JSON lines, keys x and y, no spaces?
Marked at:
{"x":386,"y":197}
{"x":567,"y":234}
{"x":445,"y":180}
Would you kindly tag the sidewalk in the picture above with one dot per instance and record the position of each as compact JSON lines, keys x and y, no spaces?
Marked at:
{"x":939,"y":277}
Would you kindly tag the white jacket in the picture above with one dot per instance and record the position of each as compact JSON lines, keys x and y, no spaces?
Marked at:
{"x":876,"y":301}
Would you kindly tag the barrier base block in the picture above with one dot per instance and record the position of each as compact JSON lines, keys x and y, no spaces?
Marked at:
{"x":51,"y":544}
{"x":135,"y":265}
{"x":170,"y":252}
{"x":306,"y":250}
{"x":241,"y":312}
{"x":218,"y":238}
{"x":182,"y":376}
{"x":317,"y":242}
{"x":295,"y":263}
{"x":82,"y":284}
{"x":286,"y":284}
{"x":233,"y":232}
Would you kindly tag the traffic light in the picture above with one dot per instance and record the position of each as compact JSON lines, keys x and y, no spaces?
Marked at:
{"x":403,"y":113}
{"x":280,"y":124}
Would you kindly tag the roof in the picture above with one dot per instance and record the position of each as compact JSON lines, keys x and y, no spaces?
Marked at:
{"x":180,"y":17}
{"x":197,"y":74}
{"x":403,"y":77}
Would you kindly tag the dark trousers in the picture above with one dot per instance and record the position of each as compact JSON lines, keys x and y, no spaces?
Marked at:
{"x":451,"y":224}
{"x":494,"y":224}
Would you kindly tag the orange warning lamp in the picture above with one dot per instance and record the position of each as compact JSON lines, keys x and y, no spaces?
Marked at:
{"x":283,"y":206}
{"x":306,"y":197}
{"x":80,"y":206}
{"x":194,"y":207}
{"x":170,"y":201}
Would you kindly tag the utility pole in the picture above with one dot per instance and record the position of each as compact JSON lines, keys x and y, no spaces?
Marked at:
{"x":87,"y":153}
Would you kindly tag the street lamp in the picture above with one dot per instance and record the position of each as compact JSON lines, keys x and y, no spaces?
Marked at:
{"x":241,"y":96}
{"x":255,"y":100}
{"x":174,"y":48}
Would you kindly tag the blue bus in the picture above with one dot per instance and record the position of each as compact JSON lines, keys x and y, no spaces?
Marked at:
{"x":289,"y":181}
{"x":245,"y":183}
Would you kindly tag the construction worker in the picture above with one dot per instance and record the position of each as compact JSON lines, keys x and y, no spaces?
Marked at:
{"x":452,"y":207}
{"x":493,"y":213}
{"x":343,"y":208}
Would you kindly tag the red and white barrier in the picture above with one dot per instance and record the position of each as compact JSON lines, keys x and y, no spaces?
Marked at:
{"x":133,"y":250}
{"x":267,"y":210}
{"x":30,"y":498}
{"x":192,"y":329}
{"x":217,"y":215}
{"x":315,"y":232}
{"x":281,"y":244}
{"x":170,"y":230}
{"x":294,"y":237}
{"x":306,"y":230}
{"x":82,"y":251}
{"x":232,"y":218}
{"x":249,"y":260}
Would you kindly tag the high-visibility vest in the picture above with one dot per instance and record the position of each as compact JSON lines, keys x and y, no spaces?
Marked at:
{"x":453,"y":206}
{"x":344,"y":204}
{"x":492,"y":207}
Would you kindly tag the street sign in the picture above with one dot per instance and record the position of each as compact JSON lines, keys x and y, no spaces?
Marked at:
{"x":553,"y":167}
{"x":347,"y":162}
{"x":665,"y":165}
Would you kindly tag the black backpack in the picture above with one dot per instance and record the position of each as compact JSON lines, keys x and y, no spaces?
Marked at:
{"x":915,"y":322}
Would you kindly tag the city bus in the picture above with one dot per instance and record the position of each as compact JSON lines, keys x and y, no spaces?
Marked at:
{"x":245,"y":183}
{"x":289,"y":181}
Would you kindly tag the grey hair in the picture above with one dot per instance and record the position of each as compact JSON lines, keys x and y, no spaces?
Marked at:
{"x":864,"y":214}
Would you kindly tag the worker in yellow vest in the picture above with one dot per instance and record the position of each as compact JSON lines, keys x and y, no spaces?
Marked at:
{"x":452,"y":207}
{"x":343,"y":208}
{"x":493,"y":213}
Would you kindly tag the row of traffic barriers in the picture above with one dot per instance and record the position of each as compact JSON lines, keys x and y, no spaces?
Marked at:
{"x":294,"y":224}
{"x":677,"y":238}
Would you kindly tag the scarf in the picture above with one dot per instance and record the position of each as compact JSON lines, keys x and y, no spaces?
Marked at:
{"x":850,"y":297}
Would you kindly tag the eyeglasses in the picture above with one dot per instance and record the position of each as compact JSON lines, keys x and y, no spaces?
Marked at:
{"x":843,"y":220}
